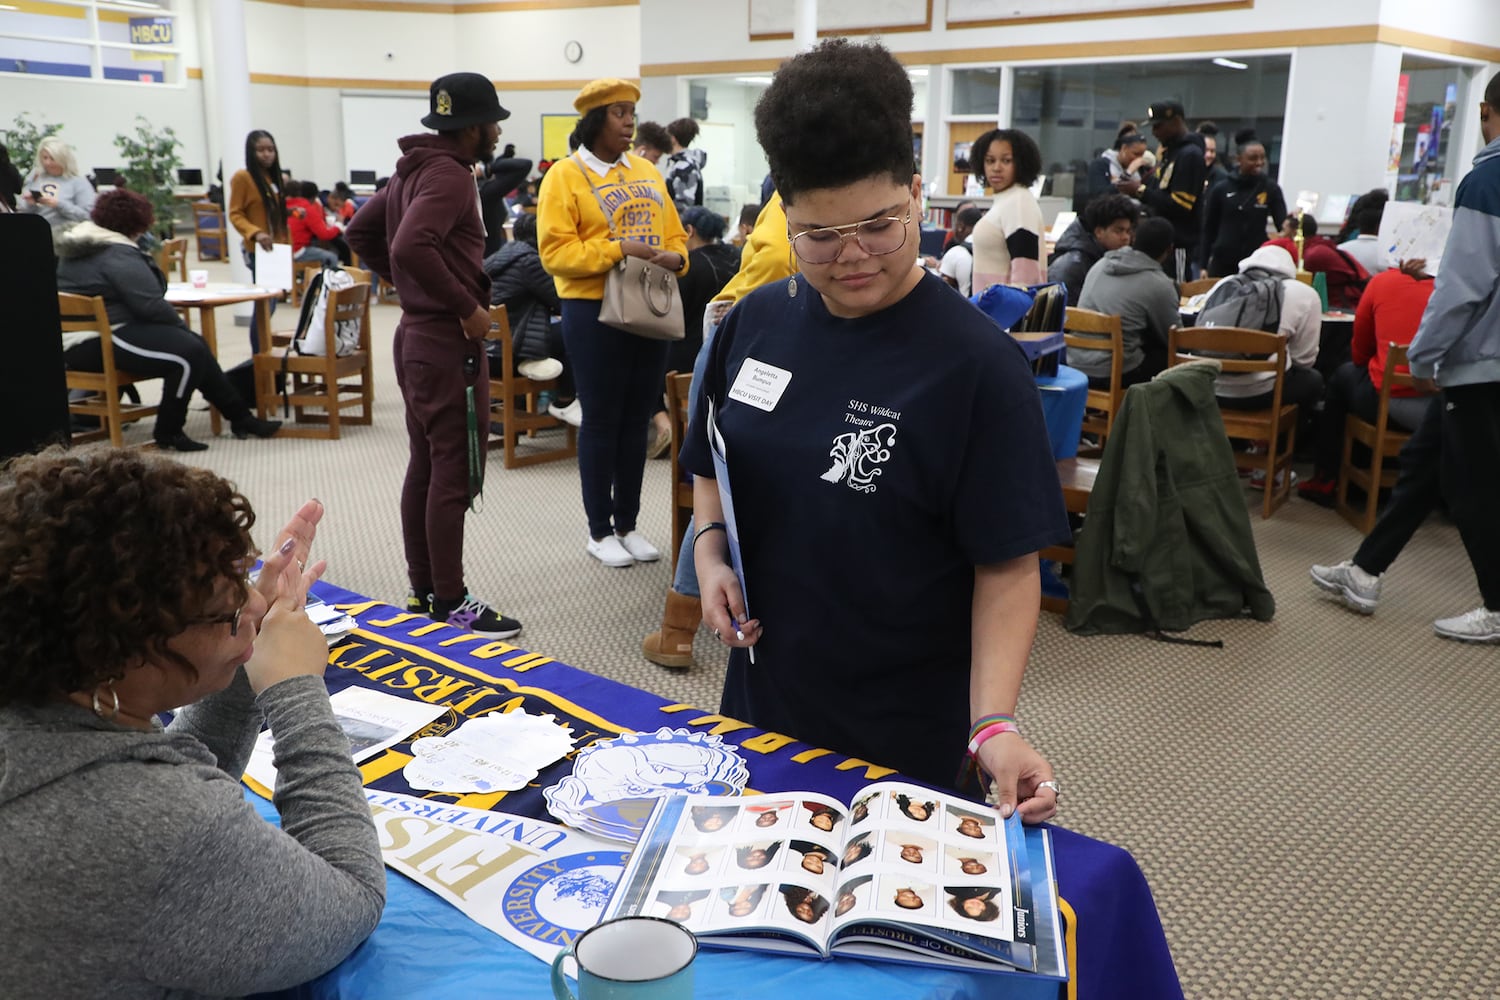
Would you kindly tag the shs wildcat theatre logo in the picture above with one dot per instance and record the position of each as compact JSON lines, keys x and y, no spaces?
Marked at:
{"x":859,"y":454}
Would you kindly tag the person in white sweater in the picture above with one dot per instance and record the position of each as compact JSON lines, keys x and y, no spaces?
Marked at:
{"x":1301,"y":321}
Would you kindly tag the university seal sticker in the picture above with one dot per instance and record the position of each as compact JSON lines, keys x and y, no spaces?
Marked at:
{"x":444,"y":103}
{"x":560,"y":898}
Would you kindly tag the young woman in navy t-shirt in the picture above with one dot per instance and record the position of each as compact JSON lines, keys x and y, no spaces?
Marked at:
{"x":892,"y":479}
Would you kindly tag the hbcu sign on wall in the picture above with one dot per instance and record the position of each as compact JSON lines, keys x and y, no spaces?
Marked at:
{"x":151,"y":31}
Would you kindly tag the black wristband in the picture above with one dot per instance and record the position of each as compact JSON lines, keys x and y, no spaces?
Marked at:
{"x":710,"y":526}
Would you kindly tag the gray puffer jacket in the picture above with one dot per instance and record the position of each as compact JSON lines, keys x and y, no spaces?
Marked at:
{"x":520,"y":284}
{"x":98,"y":261}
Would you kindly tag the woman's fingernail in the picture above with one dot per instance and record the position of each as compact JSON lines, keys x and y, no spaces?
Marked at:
{"x":287,"y":546}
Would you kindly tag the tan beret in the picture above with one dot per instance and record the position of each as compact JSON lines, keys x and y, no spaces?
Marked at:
{"x":603,"y":93}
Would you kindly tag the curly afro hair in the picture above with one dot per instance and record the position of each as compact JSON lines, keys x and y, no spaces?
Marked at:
{"x":124,"y":212}
{"x":653,"y":135}
{"x":1106,"y":208}
{"x":108,"y":555}
{"x":835,"y":115}
{"x":684,"y":130}
{"x":1023,"y":150}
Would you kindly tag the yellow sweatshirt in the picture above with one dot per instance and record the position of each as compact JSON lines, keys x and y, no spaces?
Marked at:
{"x":767,"y":256}
{"x":577,"y":244}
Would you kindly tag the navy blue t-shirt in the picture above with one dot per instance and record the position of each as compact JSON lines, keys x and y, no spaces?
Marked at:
{"x":905,"y":448}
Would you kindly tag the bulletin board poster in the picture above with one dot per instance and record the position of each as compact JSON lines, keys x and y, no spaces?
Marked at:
{"x":555,"y":132}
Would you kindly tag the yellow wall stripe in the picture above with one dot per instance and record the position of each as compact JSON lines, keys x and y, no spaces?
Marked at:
{"x":407,"y":7}
{"x":368,"y":83}
{"x":1352,"y":35}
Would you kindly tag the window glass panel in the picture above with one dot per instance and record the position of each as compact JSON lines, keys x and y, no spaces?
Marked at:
{"x":976,"y":92}
{"x":58,"y":39}
{"x":1431,"y":102}
{"x":49,"y":58}
{"x":1073,"y":112}
{"x":53,"y":20}
{"x":137,"y":64}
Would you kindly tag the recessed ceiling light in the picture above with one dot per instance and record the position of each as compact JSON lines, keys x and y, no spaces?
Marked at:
{"x":762,"y":81}
{"x":1230,"y":63}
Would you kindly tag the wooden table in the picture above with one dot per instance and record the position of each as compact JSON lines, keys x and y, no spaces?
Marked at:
{"x":185,"y":297}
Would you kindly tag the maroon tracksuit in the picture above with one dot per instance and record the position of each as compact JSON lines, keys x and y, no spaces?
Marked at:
{"x":423,"y":233}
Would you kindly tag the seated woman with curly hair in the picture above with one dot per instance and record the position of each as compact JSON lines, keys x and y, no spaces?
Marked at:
{"x":140,"y":869}
{"x":101,"y":257}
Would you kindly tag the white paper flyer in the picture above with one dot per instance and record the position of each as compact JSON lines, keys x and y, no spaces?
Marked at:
{"x":373,"y":720}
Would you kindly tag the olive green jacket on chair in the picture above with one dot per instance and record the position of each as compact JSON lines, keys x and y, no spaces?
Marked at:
{"x":1167,"y":539}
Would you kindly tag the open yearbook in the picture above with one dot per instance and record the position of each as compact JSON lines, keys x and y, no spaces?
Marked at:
{"x":902,"y":873}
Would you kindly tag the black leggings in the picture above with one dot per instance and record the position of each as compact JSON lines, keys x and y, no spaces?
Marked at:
{"x":174,"y":354}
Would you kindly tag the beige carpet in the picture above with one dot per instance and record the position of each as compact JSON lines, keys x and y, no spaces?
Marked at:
{"x":1314,"y":805}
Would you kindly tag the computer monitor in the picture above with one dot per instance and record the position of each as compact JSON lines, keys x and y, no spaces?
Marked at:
{"x":362,"y":177}
{"x":107,"y":176}
{"x":188,"y":177}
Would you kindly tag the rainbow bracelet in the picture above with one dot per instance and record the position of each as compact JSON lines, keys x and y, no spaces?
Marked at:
{"x":984,"y":722}
{"x":993,"y":729}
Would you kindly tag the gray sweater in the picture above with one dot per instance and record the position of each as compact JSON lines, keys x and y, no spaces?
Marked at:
{"x":75,"y":199}
{"x":133,"y":866}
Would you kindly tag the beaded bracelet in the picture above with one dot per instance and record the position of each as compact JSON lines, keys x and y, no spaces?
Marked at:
{"x":710,"y":526}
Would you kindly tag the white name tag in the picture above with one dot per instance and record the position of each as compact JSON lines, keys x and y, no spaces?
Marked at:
{"x":759,"y":384}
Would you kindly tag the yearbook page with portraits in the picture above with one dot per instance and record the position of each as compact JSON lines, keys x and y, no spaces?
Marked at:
{"x":901,"y":873}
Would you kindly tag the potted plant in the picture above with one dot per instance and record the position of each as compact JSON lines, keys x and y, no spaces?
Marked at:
{"x":151,"y":162}
{"x":22,"y":139}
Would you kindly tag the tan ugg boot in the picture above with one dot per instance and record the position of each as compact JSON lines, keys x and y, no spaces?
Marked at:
{"x":672,"y":646}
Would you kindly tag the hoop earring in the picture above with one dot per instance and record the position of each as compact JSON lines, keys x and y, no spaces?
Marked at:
{"x":114,"y":708}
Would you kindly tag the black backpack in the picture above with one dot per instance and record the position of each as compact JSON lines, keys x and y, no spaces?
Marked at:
{"x":1251,"y":301}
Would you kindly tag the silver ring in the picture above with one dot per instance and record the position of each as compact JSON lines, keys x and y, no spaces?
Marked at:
{"x":1056,"y":788}
{"x":717,"y":636}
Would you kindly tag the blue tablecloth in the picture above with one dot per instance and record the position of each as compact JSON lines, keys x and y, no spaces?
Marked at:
{"x":1064,"y":396}
{"x":424,"y":947}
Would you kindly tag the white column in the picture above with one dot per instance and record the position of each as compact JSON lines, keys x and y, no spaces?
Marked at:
{"x":805,"y":25}
{"x":1340,"y":103}
{"x":226,"y":77}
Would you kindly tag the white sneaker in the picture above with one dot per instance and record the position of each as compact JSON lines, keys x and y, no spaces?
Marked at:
{"x":641,"y":550}
{"x":1258,"y":478}
{"x":1479,"y":625}
{"x":570,"y":414}
{"x":540,"y":369}
{"x":610,"y":552}
{"x":1358,"y":589}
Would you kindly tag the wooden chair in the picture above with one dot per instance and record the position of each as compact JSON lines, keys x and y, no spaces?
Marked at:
{"x":84,"y":313}
{"x":1084,"y":329}
{"x":1239,"y":350}
{"x":208,"y":231}
{"x":679,"y":396}
{"x":1077,"y":477}
{"x":172,"y":256}
{"x":321,"y":382}
{"x":1383,"y":440}
{"x":302,"y":275}
{"x":515,"y":404}
{"x":1190,"y":288}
